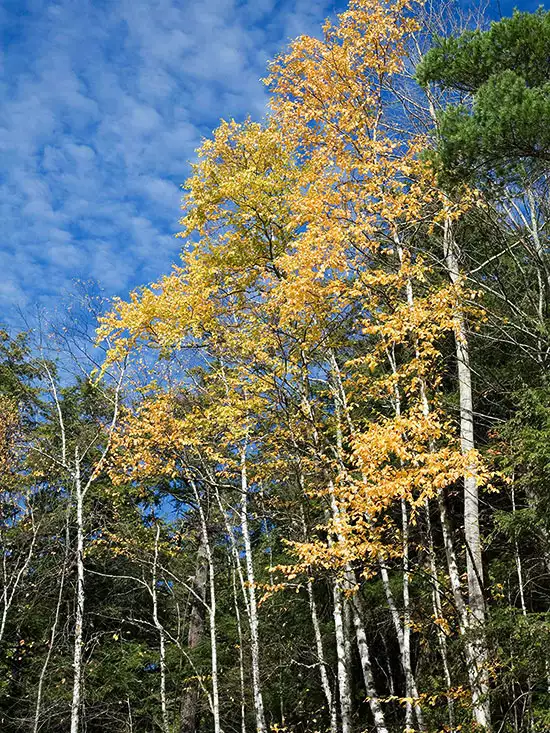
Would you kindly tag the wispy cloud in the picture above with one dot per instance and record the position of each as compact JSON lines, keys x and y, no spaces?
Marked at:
{"x":102,"y":104}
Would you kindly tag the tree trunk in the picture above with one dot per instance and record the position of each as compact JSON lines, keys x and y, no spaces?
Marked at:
{"x":241,"y":651}
{"x":360,"y":636}
{"x":472,"y":618}
{"x":162,"y":640}
{"x":364,"y":655}
{"x":252,"y":605}
{"x":474,"y":567}
{"x":194,"y":637}
{"x":323,"y":665}
{"x":325,"y":683}
{"x":402,"y":629}
{"x":438,"y":614}
{"x":53,"y":630}
{"x":80,"y":599}
{"x":342,"y":648}
{"x":410,"y":681}
{"x":344,"y":691}
{"x":211,"y":611}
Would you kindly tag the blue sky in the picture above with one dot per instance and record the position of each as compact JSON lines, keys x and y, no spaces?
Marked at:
{"x":102,"y":104}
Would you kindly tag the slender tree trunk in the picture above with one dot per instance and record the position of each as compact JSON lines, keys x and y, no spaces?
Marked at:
{"x":53,"y":631}
{"x":323,"y":665}
{"x":475,"y":651}
{"x":349,"y":583}
{"x":542,"y":282}
{"x":438,"y":615}
{"x":162,"y":640}
{"x":80,"y":599}
{"x":189,"y":708}
{"x":364,"y":655}
{"x":325,"y":683}
{"x":234,"y":551}
{"x":241,"y":653}
{"x":252,"y":605}
{"x":402,"y":629}
{"x":11,"y":584}
{"x":344,"y":689}
{"x":342,"y":646}
{"x":360,"y":636}
{"x":410,"y":681}
{"x":348,"y":634}
{"x":475,"y":666}
{"x":403,"y":640}
{"x":130,"y":720}
{"x":452,"y":566}
{"x":474,"y":566}
{"x":211,"y":611}
{"x":519,"y":567}
{"x":519,"y":571}
{"x":388,"y":670}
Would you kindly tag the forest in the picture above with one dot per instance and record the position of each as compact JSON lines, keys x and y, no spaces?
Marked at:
{"x":302,"y":483}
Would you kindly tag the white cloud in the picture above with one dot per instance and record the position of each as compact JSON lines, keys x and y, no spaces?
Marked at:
{"x":102,"y":106}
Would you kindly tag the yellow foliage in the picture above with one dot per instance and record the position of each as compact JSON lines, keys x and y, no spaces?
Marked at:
{"x":301,"y":243}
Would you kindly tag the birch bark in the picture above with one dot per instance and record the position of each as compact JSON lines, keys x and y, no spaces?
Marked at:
{"x":402,"y":629}
{"x":474,"y":566}
{"x":252,"y":604}
{"x":162,"y":640}
{"x":344,"y":690}
{"x":323,"y":666}
{"x":80,"y":599}
{"x":53,"y":630}
{"x":211,"y":610}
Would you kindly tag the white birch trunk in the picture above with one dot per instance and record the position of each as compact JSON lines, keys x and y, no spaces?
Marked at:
{"x":162,"y":641}
{"x":339,"y":622}
{"x":323,"y":665}
{"x":474,"y":567}
{"x":410,"y":681}
{"x":364,"y":655}
{"x":348,"y":633}
{"x":325,"y":683}
{"x":53,"y":630}
{"x":344,"y":691}
{"x":252,"y":604}
{"x":402,"y":629}
{"x":476,"y":667}
{"x":11,"y":584}
{"x":476,"y":653}
{"x":80,"y":599}
{"x":438,"y":614}
{"x":519,"y":567}
{"x":241,"y":654}
{"x":360,"y":636}
{"x":519,"y":570}
{"x":130,"y":720}
{"x":211,"y":612}
{"x":541,"y":282}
